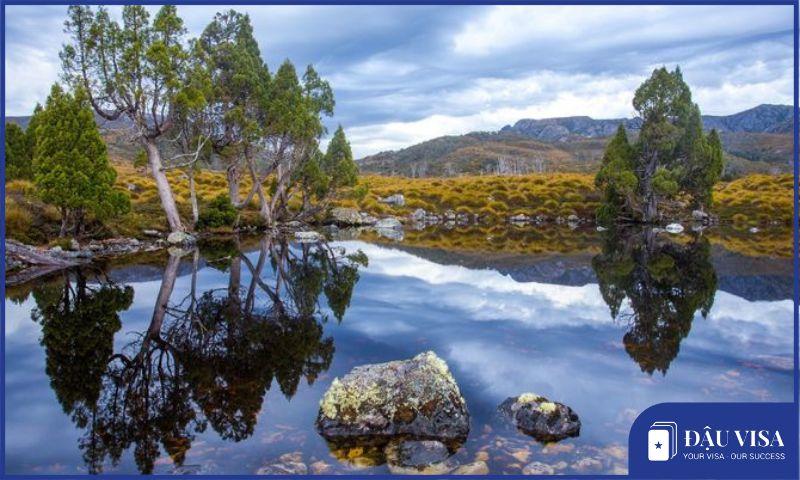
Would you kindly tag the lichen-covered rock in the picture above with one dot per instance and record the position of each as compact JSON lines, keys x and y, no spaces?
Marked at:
{"x":416,"y":398}
{"x":180,"y":238}
{"x":343,"y":216}
{"x":540,"y":418}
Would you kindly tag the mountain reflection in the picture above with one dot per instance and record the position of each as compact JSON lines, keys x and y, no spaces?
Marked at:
{"x":664,"y":282}
{"x":206,"y":359}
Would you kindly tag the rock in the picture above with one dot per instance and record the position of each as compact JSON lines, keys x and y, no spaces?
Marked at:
{"x":294,"y":224}
{"x":416,"y":398}
{"x":418,"y":457}
{"x":74,"y":245}
{"x":674,"y":228}
{"x":419,"y":215}
{"x":573,"y":219}
{"x":483,"y":455}
{"x":519,"y":218}
{"x":57,"y":249}
{"x":587,"y":464}
{"x":320,"y":468}
{"x":474,"y":468}
{"x":753,"y":230}
{"x":699,"y":215}
{"x":391,"y":234}
{"x":367,"y":219}
{"x":344,"y":216}
{"x":540,"y":418}
{"x":538,"y":468}
{"x":397,"y":199}
{"x":450,"y":215}
{"x":601,"y":228}
{"x":152,"y":233}
{"x":307,"y":236}
{"x":287,"y":464}
{"x":389,"y":223}
{"x":180,"y":238}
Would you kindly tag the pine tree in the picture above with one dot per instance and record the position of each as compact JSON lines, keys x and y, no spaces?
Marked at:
{"x":19,"y":164}
{"x":338,"y":162}
{"x":71,"y":162}
{"x":616,"y":178}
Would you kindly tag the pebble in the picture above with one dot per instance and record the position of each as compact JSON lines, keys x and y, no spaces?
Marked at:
{"x":474,"y":468}
{"x":538,"y":468}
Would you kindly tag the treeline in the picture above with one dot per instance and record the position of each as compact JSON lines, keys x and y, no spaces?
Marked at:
{"x":208,"y":96}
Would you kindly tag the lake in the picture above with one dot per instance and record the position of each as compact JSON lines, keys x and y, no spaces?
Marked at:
{"x":214,"y":360}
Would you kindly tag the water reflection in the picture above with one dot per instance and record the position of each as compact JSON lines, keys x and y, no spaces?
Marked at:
{"x":206,"y":359}
{"x":655,"y":285}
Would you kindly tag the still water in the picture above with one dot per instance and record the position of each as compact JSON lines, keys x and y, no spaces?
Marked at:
{"x":213,"y":361}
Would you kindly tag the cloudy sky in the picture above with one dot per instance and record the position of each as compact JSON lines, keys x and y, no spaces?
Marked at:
{"x":406,"y":74}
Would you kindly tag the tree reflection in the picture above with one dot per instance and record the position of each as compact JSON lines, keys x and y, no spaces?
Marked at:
{"x":664,"y":282}
{"x":206,"y":359}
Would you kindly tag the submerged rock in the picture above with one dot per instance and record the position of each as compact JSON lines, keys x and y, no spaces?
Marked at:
{"x":416,"y":398}
{"x":430,"y":457}
{"x":475,"y":468}
{"x":538,"y":468}
{"x":540,"y":418}
{"x":287,"y":464}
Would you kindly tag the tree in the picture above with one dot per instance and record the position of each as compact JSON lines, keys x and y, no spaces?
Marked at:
{"x":338,"y":162}
{"x":671,"y":156}
{"x":136,"y":69}
{"x":72,"y":170}
{"x":235,"y":79}
{"x":617,"y":178}
{"x":19,"y":162}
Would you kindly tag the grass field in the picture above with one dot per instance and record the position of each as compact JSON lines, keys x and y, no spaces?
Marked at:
{"x":748,"y":201}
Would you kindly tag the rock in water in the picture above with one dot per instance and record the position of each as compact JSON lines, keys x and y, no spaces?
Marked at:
{"x":540,"y":418}
{"x":388,"y":223}
{"x":180,"y":238}
{"x":418,"y":457}
{"x":343,"y":216}
{"x":674,"y":228}
{"x":415,"y":398}
{"x":307,"y":236}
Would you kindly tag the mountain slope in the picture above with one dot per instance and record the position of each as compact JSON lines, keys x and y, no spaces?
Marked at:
{"x":757,"y":140}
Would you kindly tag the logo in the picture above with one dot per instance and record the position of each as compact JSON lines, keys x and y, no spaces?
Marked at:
{"x":662,"y":441}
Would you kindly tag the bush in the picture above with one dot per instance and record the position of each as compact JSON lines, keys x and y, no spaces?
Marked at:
{"x":218,"y":213}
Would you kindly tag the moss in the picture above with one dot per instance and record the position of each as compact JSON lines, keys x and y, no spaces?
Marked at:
{"x":547,"y":407}
{"x":529,"y":398}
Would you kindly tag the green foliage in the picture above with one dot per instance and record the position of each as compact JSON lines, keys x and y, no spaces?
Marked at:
{"x":338,"y":162}
{"x":72,"y":170}
{"x":217,"y":214}
{"x":140,"y":160}
{"x":19,"y":158}
{"x":672,"y":156}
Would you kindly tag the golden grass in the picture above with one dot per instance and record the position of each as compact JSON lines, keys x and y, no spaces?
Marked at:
{"x":751,"y":200}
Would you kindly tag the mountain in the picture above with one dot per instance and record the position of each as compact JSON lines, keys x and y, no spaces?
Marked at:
{"x":758,"y":140}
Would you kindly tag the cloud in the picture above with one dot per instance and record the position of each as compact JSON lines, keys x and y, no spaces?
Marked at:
{"x":404,"y":74}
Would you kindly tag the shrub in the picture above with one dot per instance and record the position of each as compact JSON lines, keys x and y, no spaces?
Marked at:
{"x":218,"y":213}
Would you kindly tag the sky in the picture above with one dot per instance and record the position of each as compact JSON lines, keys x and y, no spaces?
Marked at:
{"x":405,"y":74}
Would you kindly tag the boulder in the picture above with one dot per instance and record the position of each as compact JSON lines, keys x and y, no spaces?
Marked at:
{"x":397,"y":199}
{"x":180,"y":238}
{"x":344,"y":216}
{"x":674,"y":228}
{"x":540,"y":418}
{"x":699,"y":215}
{"x":419,"y":215}
{"x":389,"y":223}
{"x":412,"y":398}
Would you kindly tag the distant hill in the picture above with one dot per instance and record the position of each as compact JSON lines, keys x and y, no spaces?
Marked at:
{"x":755,"y":140}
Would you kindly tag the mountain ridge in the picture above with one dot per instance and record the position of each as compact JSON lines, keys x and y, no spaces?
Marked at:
{"x":756,"y":140}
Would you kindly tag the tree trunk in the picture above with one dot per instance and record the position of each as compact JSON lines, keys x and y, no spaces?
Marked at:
{"x":64,"y":216}
{"x":233,"y":183}
{"x":264,"y":211}
{"x":193,"y":197}
{"x":164,"y":189}
{"x":650,"y":207}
